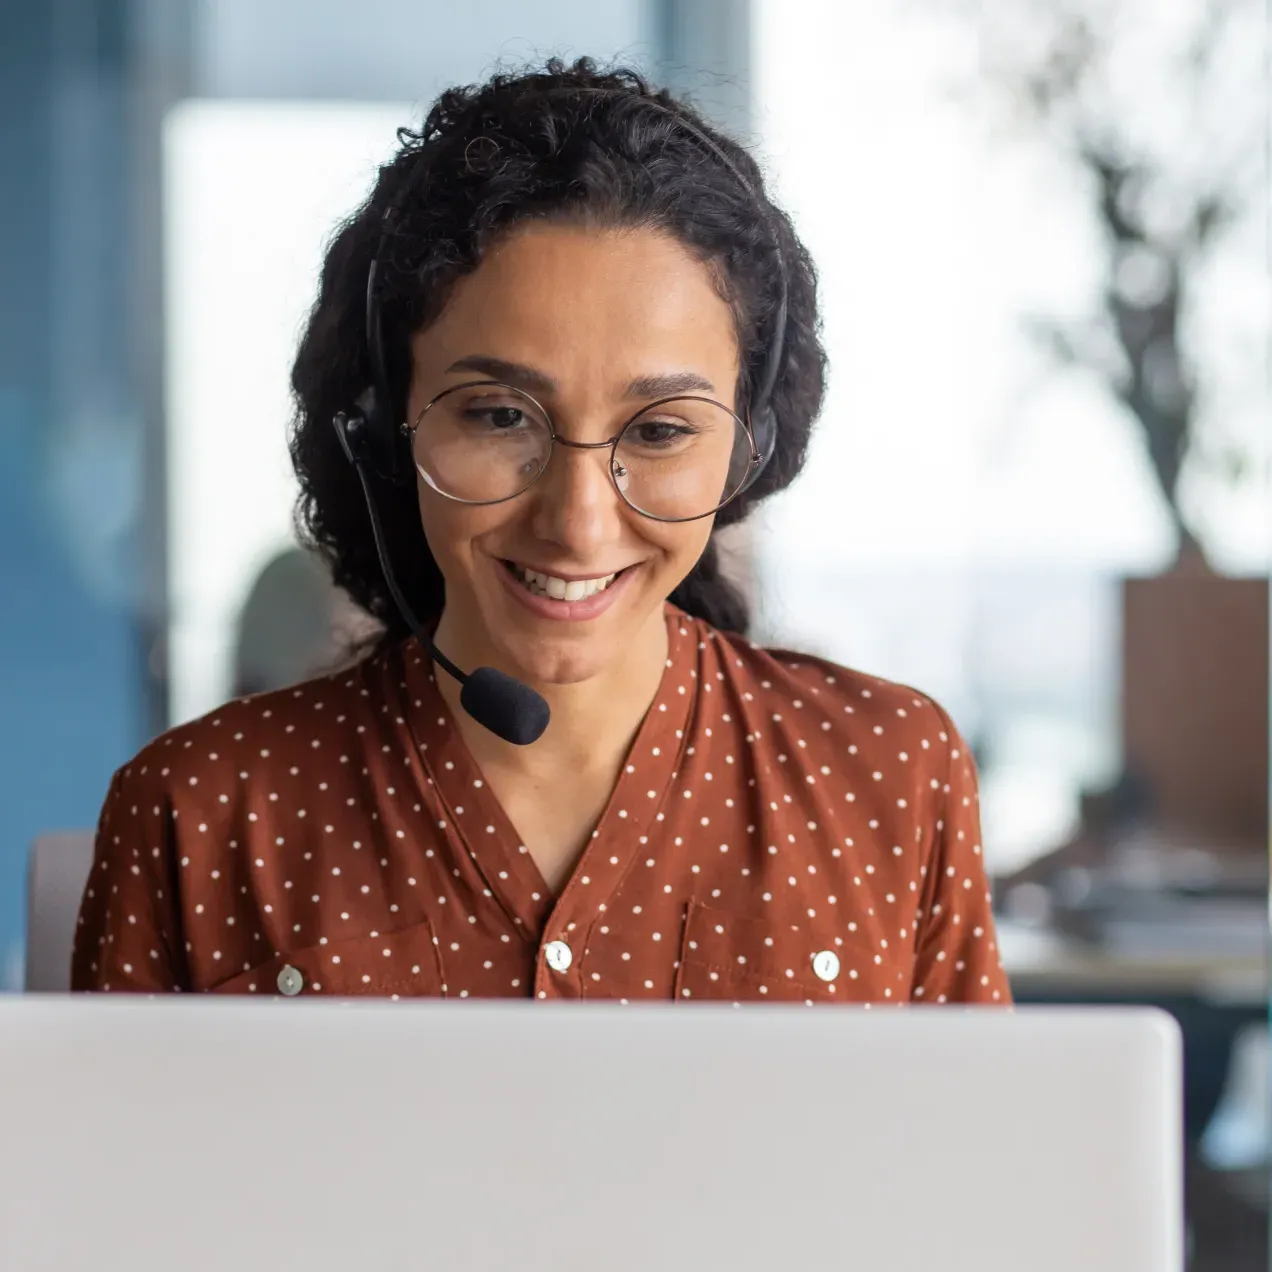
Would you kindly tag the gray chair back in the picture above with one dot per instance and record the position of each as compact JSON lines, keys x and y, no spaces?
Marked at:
{"x":59,"y":868}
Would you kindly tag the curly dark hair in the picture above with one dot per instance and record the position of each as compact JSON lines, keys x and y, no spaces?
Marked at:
{"x":567,"y":142}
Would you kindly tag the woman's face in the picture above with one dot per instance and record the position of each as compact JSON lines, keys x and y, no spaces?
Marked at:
{"x":594,"y":324}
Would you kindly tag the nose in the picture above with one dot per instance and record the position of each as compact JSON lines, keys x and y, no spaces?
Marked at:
{"x":576,"y":505}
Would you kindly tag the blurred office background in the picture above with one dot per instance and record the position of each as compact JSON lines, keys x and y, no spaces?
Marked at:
{"x":1041,"y":490}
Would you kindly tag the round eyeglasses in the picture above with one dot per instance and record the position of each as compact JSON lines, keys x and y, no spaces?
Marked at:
{"x":677,"y":459}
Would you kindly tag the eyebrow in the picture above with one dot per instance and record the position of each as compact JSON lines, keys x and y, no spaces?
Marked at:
{"x":533,"y":381}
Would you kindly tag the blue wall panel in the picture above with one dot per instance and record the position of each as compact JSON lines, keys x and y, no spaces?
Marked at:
{"x":70,"y":691}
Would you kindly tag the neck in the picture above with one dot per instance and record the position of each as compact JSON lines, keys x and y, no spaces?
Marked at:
{"x":593,"y":722}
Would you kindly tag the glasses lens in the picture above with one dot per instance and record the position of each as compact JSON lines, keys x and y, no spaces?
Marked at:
{"x":482,"y":443}
{"x":682,"y":459}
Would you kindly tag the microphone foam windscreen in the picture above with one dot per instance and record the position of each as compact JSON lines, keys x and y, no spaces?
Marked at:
{"x":505,"y":706}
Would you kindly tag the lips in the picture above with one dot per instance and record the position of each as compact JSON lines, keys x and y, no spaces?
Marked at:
{"x":559,"y":589}
{"x":578,"y":600}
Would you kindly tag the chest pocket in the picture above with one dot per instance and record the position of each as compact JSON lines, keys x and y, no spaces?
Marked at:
{"x":737,"y":959}
{"x":403,"y":964}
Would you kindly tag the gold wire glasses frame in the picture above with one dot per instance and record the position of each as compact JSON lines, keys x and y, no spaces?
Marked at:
{"x":484,"y":442}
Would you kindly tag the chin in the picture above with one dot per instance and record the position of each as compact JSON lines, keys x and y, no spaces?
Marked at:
{"x":550,"y":653}
{"x":569,"y":670}
{"x":564,"y":661}
{"x":548,"y":649}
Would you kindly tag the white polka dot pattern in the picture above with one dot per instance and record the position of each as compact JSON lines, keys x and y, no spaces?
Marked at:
{"x":784,"y":830}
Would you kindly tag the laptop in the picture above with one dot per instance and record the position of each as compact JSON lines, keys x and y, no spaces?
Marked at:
{"x":153,"y":1135}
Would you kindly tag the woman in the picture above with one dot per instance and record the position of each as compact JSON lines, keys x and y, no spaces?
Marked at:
{"x":567,"y":338}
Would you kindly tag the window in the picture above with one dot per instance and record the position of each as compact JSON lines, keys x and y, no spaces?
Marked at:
{"x":967,"y":510}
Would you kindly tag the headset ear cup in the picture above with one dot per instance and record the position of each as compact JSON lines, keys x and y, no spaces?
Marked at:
{"x":764,"y":428}
{"x":368,"y":406}
{"x":370,"y":439}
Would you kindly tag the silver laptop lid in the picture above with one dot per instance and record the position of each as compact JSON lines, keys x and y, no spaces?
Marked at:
{"x":148,"y":1135}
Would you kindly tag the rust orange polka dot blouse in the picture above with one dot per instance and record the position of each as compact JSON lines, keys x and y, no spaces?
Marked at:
{"x":784,"y":830}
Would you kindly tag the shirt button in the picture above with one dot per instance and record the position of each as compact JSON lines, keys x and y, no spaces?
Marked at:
{"x":558,"y":955}
{"x":826,"y":965}
{"x":290,"y":982}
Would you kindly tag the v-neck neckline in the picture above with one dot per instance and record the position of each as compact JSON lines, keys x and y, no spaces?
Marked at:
{"x":628,"y":821}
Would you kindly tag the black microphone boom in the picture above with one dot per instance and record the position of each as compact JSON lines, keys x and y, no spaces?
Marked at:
{"x":509,"y":709}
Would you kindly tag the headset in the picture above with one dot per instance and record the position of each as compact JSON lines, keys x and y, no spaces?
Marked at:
{"x":372,"y":442}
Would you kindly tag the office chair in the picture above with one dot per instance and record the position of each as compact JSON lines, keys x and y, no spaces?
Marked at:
{"x":58,"y":870}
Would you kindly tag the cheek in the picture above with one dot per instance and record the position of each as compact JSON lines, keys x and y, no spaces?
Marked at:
{"x":681,"y":546}
{"x":450,"y":529}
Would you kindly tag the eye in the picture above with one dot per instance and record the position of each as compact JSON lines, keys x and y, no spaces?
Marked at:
{"x":501,"y":418}
{"x":659,"y":432}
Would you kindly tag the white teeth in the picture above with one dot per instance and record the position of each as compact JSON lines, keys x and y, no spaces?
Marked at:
{"x":561,"y":589}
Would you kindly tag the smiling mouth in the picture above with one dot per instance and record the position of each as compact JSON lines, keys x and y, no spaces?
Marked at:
{"x":560,"y":589}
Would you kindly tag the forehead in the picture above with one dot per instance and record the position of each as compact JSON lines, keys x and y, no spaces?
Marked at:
{"x":581,"y":302}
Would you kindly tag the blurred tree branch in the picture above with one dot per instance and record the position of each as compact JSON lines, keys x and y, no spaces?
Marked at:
{"x":1058,"y":69}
